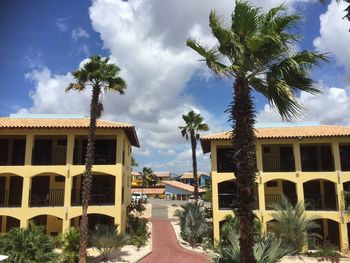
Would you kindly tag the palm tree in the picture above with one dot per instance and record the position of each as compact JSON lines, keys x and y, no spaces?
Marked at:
{"x":100,"y":75}
{"x":291,"y":224}
{"x":255,"y":50}
{"x":148,"y":177}
{"x":194,"y":124}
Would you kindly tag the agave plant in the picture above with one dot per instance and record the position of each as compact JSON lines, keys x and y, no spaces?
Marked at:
{"x":192,"y":223}
{"x":267,"y":249}
{"x":70,"y":245}
{"x":28,"y":245}
{"x":291,"y":224}
{"x":106,"y":240}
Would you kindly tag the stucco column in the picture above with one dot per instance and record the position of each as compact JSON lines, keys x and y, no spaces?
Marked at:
{"x":66,"y":221}
{"x":343,"y":235}
{"x":119,"y":148}
{"x":70,"y":149}
{"x":25,"y":191}
{"x":215,"y":204}
{"x":261,"y":193}
{"x":336,"y":156}
{"x":24,"y":223}
{"x":29,"y":149}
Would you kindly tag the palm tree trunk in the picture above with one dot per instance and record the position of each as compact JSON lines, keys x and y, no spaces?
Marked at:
{"x":87,"y":178}
{"x":194,"y":165}
{"x":243,"y":114}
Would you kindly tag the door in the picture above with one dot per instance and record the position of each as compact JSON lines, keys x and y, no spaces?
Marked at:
{"x":15,"y":194}
{"x":2,"y":191}
{"x":18,"y":152}
{"x":4,"y":152}
{"x":287,"y":159}
{"x":42,"y":152}
{"x":40,"y":190}
{"x":330,"y":200}
{"x":289,"y":191}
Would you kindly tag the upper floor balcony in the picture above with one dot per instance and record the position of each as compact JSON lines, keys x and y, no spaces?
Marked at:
{"x":278,"y":158}
{"x":12,"y":150}
{"x":316,"y":158}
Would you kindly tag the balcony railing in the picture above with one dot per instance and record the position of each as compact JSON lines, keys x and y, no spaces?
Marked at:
{"x":99,"y":158}
{"x":99,"y":196}
{"x":11,"y":198}
{"x":229,"y":201}
{"x":276,"y":163}
{"x":9,"y":158}
{"x":46,"y":197}
{"x":271,"y":199}
{"x":321,"y":202}
{"x":57,"y":156}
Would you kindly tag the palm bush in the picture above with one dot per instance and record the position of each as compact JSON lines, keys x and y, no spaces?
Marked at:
{"x":138,"y":229}
{"x":28,"y":245}
{"x":193,"y":225}
{"x":291,"y":224}
{"x":267,"y":249}
{"x":106,"y":240}
{"x":70,"y":245}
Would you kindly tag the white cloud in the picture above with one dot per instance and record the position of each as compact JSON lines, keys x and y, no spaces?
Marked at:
{"x":334,"y":36}
{"x":330,"y":107}
{"x":146,"y":39}
{"x":61,"y":24}
{"x":79,"y":33}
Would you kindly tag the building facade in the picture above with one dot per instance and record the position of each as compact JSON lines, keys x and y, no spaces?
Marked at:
{"x":303,"y":163}
{"x":41,"y":167}
{"x":204,"y":180}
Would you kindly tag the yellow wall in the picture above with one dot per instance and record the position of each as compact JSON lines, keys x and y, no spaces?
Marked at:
{"x":119,"y":171}
{"x":338,"y":177}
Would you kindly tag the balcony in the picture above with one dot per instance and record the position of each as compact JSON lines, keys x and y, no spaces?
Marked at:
{"x":53,"y":156}
{"x":271,"y":199}
{"x":104,"y":154}
{"x":12,"y":151}
{"x":316,"y":158}
{"x":228,"y":201}
{"x":320,"y":195}
{"x":11,"y":198}
{"x":344,"y":151}
{"x":225,"y":163}
{"x":278,"y":158}
{"x":46,"y":197}
{"x":99,"y":196}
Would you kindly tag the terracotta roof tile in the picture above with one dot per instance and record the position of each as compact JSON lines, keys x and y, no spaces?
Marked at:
{"x":283,"y":133}
{"x":183,"y":186}
{"x":162,"y":174}
{"x":149,"y":191}
{"x":66,"y":123}
{"x":189,"y":175}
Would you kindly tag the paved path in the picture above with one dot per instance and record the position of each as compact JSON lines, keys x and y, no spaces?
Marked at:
{"x":165,"y":246}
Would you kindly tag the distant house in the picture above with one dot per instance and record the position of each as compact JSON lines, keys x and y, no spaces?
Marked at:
{"x":179,"y":191}
{"x":150,"y":192}
{"x":204,"y":180}
{"x":136,"y":179}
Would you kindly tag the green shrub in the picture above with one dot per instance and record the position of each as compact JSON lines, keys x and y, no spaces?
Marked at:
{"x":325,"y":253}
{"x":207,"y":197}
{"x":70,"y":245}
{"x":193,"y":225}
{"x":106,"y":240}
{"x":28,"y":245}
{"x":138,"y":229}
{"x":267,"y":249}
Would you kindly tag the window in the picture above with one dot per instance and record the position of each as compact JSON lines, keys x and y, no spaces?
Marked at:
{"x":272,"y":184}
{"x":225,"y":160}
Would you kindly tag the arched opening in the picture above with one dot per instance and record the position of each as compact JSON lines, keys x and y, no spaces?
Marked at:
{"x":276,"y":189}
{"x":11,"y":190}
{"x":7,"y":223}
{"x":94,"y":219}
{"x":228,"y":195}
{"x":102,"y":191}
{"x":52,"y":224}
{"x":47,"y":190}
{"x":320,"y":195}
{"x":328,"y":231}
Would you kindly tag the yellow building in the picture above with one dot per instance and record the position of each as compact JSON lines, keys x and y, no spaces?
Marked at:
{"x":41,"y":167}
{"x":304,"y":163}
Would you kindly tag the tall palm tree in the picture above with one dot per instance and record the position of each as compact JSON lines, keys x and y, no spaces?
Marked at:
{"x":100,"y":75}
{"x":255,"y":51}
{"x":194,"y":124}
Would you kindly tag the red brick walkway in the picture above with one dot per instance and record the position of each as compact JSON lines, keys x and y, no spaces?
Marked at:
{"x":165,"y":246}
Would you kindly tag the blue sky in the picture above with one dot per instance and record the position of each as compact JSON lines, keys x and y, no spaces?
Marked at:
{"x":43,"y":41}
